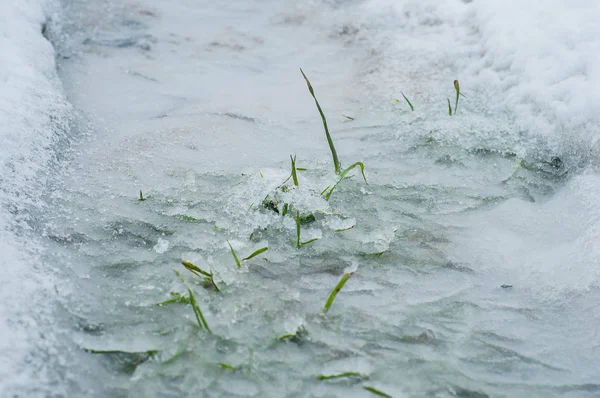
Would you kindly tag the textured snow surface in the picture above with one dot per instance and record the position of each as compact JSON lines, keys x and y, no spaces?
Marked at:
{"x":32,"y":120}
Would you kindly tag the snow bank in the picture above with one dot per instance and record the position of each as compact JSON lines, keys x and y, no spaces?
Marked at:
{"x":536,"y":61}
{"x":531,"y":70}
{"x":33,"y":114}
{"x":543,"y":59}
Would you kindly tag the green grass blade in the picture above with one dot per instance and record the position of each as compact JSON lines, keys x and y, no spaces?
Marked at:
{"x":345,"y":229}
{"x":227,"y":366}
{"x":298,"y":244}
{"x":457,"y":88}
{"x":336,"y":162}
{"x":348,"y":117}
{"x":343,"y":175}
{"x":412,"y":108}
{"x":286,"y":208}
{"x":235,"y":257}
{"x":340,"y":375}
{"x":199,"y":316}
{"x":256,"y":253}
{"x":336,"y":290}
{"x":449,"y":107}
{"x":294,"y":174}
{"x":141,"y":196}
{"x":308,"y":241}
{"x":195,"y":270}
{"x":178,"y":298}
{"x":377,"y":392}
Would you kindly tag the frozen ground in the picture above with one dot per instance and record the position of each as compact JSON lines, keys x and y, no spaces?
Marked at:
{"x":200,"y":104}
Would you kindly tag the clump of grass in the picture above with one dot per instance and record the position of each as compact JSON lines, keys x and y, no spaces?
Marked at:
{"x":375,"y":391}
{"x":206,"y":276}
{"x":299,"y":243}
{"x":336,"y":290}
{"x":141,"y":196}
{"x":298,"y":337}
{"x":343,"y":375}
{"x":254,"y":254}
{"x":329,"y":190}
{"x":336,"y":163}
{"x":199,"y":316}
{"x":412,"y":108}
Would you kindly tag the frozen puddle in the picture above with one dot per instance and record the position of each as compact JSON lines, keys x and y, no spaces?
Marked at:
{"x":473,"y":246}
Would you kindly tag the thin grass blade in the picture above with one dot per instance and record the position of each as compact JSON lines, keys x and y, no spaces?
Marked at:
{"x":343,"y":175}
{"x":294,"y":174}
{"x":412,"y":108}
{"x":375,"y":391}
{"x":235,"y":257}
{"x":457,"y":89}
{"x":199,"y":316}
{"x":449,"y":107}
{"x":256,"y":253}
{"x":298,"y":244}
{"x":308,"y":241}
{"x":336,"y":162}
{"x":336,"y":290}
{"x":195,"y":270}
{"x":341,"y":375}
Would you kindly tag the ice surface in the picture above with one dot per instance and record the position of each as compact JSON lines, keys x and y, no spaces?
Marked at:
{"x":475,"y":243}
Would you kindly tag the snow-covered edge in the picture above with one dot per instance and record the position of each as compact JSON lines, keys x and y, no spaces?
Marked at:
{"x":34,"y":117}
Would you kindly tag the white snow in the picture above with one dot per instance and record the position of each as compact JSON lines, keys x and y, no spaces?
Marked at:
{"x":32,"y":113}
{"x":537,"y":61}
{"x":543,"y":60}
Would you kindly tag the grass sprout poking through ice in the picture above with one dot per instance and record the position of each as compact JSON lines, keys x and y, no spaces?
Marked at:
{"x":412,"y":108}
{"x":294,"y":173}
{"x":458,"y":94}
{"x":199,"y":316}
{"x":141,"y":196}
{"x":457,"y":89}
{"x":375,"y":391}
{"x":342,"y":375}
{"x":336,"y":290}
{"x":207,"y":276}
{"x":298,"y":337}
{"x":235,"y":257}
{"x":329,"y":190}
{"x":254,"y":254}
{"x":299,"y":243}
{"x":178,"y":298}
{"x":336,"y":162}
